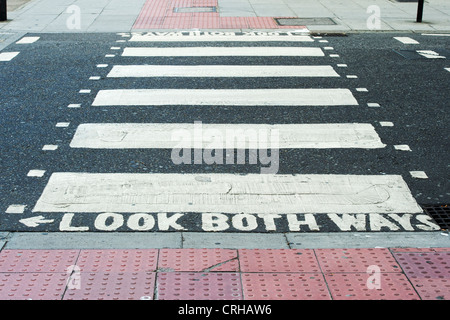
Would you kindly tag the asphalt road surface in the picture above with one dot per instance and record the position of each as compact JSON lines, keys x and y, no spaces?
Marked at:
{"x":361,"y":121}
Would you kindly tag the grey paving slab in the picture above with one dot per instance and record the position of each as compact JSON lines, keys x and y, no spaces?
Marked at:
{"x":234,"y":240}
{"x":368,"y":240}
{"x":3,"y":239}
{"x":93,"y":240}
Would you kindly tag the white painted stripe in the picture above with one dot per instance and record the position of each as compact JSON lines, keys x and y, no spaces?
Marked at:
{"x":448,"y":69}
{"x":226,"y":193}
{"x":74,"y":105}
{"x":402,"y":147}
{"x":214,"y":136}
{"x":373,"y":105}
{"x":85,"y":91}
{"x":223,"y":52}
{"x":437,"y":34}
{"x":27,"y":40}
{"x":430,"y":54}
{"x":95,"y":78}
{"x":36,"y":173}
{"x":16,"y":209}
{"x":8,"y":56}
{"x":386,"y":124}
{"x":221,"y":71}
{"x":406,"y":40}
{"x":49,"y":147}
{"x":224,"y":97}
{"x":342,"y":65}
{"x":218,"y":38}
{"x":62,"y":124}
{"x":418,"y":174}
{"x":102,"y":65}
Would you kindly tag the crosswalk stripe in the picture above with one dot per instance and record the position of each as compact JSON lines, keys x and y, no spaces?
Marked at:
{"x":226,"y":193}
{"x":214,"y":136}
{"x":226,"y":97}
{"x":218,"y":38}
{"x":142,"y":71}
{"x":223,"y":52}
{"x":8,"y":56}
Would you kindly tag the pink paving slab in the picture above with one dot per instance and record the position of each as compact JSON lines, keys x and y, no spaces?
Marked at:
{"x":199,"y":286}
{"x":32,"y":286}
{"x":354,"y":286}
{"x":356,"y":260}
{"x":113,"y":286}
{"x":284,"y":286}
{"x":37,"y":260}
{"x":198,"y":260}
{"x":118,"y":260}
{"x":278,"y":260}
{"x":159,"y":14}
{"x":430,"y":265}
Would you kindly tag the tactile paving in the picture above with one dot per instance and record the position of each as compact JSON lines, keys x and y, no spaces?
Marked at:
{"x":354,"y":286}
{"x":32,"y":286}
{"x":113,"y":286}
{"x":118,"y":260}
{"x":429,"y":272}
{"x":356,"y":260}
{"x":284,"y":286}
{"x":278,"y":260}
{"x":37,"y":260}
{"x":425,"y":265}
{"x":198,"y":260}
{"x":199,"y":286}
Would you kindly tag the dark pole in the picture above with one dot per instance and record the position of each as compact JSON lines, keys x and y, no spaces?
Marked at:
{"x":420,"y":11}
{"x":3,"y":10}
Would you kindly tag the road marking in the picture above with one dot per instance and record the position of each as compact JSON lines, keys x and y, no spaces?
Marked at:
{"x":418,"y":174}
{"x":221,"y":38}
{"x":448,"y":69}
{"x":102,"y":66}
{"x":373,"y":105}
{"x":342,"y":65}
{"x":36,"y":173}
{"x":386,"y":124}
{"x":406,"y":40}
{"x":352,"y":76}
{"x":85,"y":91}
{"x":110,"y":55}
{"x":95,"y":78}
{"x":62,"y":124}
{"x":8,"y":56}
{"x":430,"y":54}
{"x":402,"y":147}
{"x":334,"y":56}
{"x":223,"y":52}
{"x":212,"y":136}
{"x":49,"y":147}
{"x":221,"y":71}
{"x":362,"y":90}
{"x":225,"y":97}
{"x":27,"y":40}
{"x":437,"y":34}
{"x":74,"y":105}
{"x":16,"y":209}
{"x":226,"y":193}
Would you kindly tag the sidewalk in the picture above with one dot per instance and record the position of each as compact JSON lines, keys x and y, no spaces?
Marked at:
{"x":192,"y":266}
{"x":138,"y":15}
{"x":224,"y":274}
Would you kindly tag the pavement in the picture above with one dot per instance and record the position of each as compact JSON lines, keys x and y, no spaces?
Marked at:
{"x":216,"y":265}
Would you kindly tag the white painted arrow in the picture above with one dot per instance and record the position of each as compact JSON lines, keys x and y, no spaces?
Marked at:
{"x":35,"y":221}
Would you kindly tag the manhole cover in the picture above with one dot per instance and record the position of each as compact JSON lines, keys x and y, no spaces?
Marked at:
{"x":195,"y":9}
{"x":440,"y":214}
{"x":304,"y":21}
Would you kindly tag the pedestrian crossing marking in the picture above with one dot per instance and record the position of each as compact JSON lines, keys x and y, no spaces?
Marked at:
{"x":223,"y":52}
{"x":161,"y":135}
{"x":226,"y":193}
{"x":142,"y":71}
{"x":225,"y":97}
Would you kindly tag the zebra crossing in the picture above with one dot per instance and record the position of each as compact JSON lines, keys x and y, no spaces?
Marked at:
{"x":226,"y":202}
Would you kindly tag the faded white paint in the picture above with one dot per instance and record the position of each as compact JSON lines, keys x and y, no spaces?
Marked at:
{"x":226,"y":97}
{"x":226,"y":193}
{"x":161,"y":135}
{"x":142,"y":71}
{"x":223,"y":52}
{"x":27,"y":40}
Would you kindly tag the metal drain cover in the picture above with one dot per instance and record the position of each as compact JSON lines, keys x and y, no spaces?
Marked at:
{"x":440,"y":214}
{"x":195,"y":9}
{"x":304,"y":21}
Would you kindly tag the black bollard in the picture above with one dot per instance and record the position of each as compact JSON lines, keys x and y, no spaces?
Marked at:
{"x":3,"y":15}
{"x":420,"y":11}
